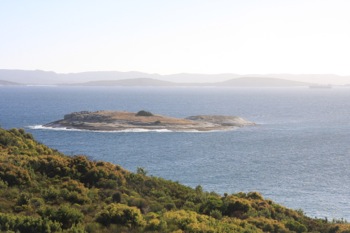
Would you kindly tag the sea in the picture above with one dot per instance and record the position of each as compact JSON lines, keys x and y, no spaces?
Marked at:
{"x":297,"y":155}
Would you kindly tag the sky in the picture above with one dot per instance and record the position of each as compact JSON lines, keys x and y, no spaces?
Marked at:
{"x":182,"y":36}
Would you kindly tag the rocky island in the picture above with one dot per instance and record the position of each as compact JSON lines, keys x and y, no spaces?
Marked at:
{"x":121,"y":120}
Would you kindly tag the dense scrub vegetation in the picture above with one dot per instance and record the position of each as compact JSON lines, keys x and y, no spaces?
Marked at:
{"x":42,"y":190}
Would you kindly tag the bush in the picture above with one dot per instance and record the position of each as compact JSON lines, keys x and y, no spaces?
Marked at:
{"x":3,"y":184}
{"x":212,"y":203}
{"x":120,"y":214}
{"x":50,"y":194}
{"x":36,"y":202}
{"x":117,"y":197}
{"x":66,"y":215}
{"x":216,"y":214}
{"x":235,"y":207}
{"x":13,"y":175}
{"x":23,"y":199}
{"x":255,"y":196}
{"x":144,"y":113}
{"x":18,"y":223}
{"x":296,"y":226}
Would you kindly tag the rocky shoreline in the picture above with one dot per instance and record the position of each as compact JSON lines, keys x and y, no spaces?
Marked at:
{"x":120,"y":120}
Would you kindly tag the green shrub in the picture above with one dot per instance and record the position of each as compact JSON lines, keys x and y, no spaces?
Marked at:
{"x":117,"y":197}
{"x":107,"y":184}
{"x":296,"y":226}
{"x":216,"y":214}
{"x":23,"y":199}
{"x":120,"y":214}
{"x":51,"y":194}
{"x":13,"y":175}
{"x":255,"y":196}
{"x":235,"y":207}
{"x":3,"y":184}
{"x":27,"y":224}
{"x":65,"y":215}
{"x":212,"y":203}
{"x":36,"y":202}
{"x":144,"y":113}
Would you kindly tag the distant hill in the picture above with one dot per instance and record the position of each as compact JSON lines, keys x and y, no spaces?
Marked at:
{"x":50,"y":78}
{"x":7,"y":83}
{"x":39,"y":77}
{"x":261,"y":82}
{"x":29,"y":76}
{"x":236,"y":82}
{"x":198,"y":78}
{"x":129,"y":82}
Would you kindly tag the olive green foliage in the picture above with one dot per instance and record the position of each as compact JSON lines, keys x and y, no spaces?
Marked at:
{"x":28,"y":224}
{"x":144,"y":113}
{"x":42,"y":190}
{"x":64,"y":214}
{"x":120,"y":214}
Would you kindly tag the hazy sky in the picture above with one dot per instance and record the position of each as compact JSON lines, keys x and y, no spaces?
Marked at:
{"x":164,"y":36}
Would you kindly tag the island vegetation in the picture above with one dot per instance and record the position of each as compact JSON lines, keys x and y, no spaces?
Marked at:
{"x":43,"y":190}
{"x":122,"y":120}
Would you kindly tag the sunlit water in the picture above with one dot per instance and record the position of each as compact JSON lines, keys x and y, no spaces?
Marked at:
{"x":297,"y":155}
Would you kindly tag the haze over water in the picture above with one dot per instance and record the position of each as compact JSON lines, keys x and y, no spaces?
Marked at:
{"x":297,"y":155}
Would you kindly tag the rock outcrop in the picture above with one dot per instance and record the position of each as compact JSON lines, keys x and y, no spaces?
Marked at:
{"x":118,"y":121}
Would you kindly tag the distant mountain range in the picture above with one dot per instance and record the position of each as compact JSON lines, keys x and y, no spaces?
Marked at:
{"x":236,"y":82}
{"x":116,"y":78}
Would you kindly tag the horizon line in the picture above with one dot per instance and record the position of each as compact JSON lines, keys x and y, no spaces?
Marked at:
{"x":177,"y":73}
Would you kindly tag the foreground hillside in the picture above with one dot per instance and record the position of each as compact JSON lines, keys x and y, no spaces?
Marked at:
{"x":42,"y":190}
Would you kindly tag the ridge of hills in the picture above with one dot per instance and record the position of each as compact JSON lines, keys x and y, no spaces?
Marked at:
{"x":128,"y":82}
{"x":116,"y":78}
{"x":236,"y":82}
{"x":43,"y":190}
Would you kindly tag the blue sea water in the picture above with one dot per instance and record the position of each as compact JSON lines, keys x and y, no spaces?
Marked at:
{"x":298,"y":155}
